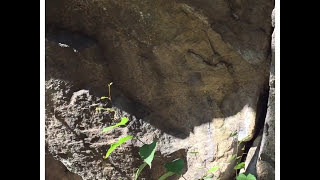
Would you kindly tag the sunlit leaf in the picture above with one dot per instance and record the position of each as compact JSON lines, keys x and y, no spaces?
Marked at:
{"x":239,"y":166}
{"x":214,"y":169}
{"x":116,"y":144}
{"x":251,"y":177}
{"x":147,"y":151}
{"x":175,"y":166}
{"x":244,"y":177}
{"x":241,"y":177}
{"x":123,"y":121}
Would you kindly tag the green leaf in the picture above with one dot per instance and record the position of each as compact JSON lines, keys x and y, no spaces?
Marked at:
{"x":239,"y":166}
{"x":244,"y":177}
{"x":233,"y":134}
{"x":213,"y":169}
{"x":175,"y":166}
{"x":245,"y":139}
{"x":241,"y":177}
{"x":208,"y":177}
{"x":251,"y":177}
{"x":243,"y":148}
{"x":124,"y":120}
{"x":104,"y":97}
{"x":116,"y":144}
{"x":139,"y":170}
{"x":166,"y":175}
{"x":232,"y":157}
{"x":147,"y":151}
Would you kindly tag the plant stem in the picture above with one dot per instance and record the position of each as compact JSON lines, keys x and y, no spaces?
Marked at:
{"x":140,"y":140}
{"x":139,"y":170}
{"x":109,"y":92}
{"x":166,"y":175}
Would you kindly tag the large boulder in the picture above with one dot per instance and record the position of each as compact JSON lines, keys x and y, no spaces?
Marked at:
{"x":186,"y":74}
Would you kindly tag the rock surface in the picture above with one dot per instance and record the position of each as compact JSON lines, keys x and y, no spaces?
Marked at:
{"x":55,"y":170}
{"x":266,"y":160}
{"x":183,"y":73}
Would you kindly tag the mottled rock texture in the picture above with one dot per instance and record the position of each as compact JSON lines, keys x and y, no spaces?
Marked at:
{"x":187,"y":73}
{"x":266,"y":161}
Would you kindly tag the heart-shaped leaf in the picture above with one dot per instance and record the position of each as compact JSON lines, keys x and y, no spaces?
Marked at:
{"x":175,"y":166}
{"x":244,"y":177}
{"x":147,"y":151}
{"x":239,"y":166}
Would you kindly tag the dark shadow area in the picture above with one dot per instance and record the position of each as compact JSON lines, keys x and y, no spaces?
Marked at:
{"x":88,"y":68}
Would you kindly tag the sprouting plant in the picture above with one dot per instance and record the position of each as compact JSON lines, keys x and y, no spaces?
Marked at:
{"x":244,"y":177}
{"x":109,"y":92}
{"x":174,"y":167}
{"x":116,"y":144}
{"x":146,"y":153}
{"x":194,"y":152}
{"x":123,"y":122}
{"x":233,"y":134}
{"x":213,"y":169}
{"x":210,"y":172}
{"x":240,"y":165}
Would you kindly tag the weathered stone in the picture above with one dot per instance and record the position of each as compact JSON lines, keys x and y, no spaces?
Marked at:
{"x":179,"y":73}
{"x":55,"y":170}
{"x":266,"y":161}
{"x":252,"y":157}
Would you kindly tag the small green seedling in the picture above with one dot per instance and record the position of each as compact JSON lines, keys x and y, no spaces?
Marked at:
{"x":233,"y":134}
{"x":123,"y":122}
{"x":109,"y":85}
{"x":239,"y":166}
{"x":174,"y":167}
{"x":209,"y":173}
{"x":116,"y":144}
{"x":244,"y":177}
{"x":214,"y":169}
{"x":146,"y":153}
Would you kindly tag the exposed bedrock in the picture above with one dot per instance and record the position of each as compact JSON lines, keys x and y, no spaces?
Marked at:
{"x":187,"y":73}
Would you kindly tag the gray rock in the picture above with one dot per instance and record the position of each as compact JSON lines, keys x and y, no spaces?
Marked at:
{"x":266,"y":160}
